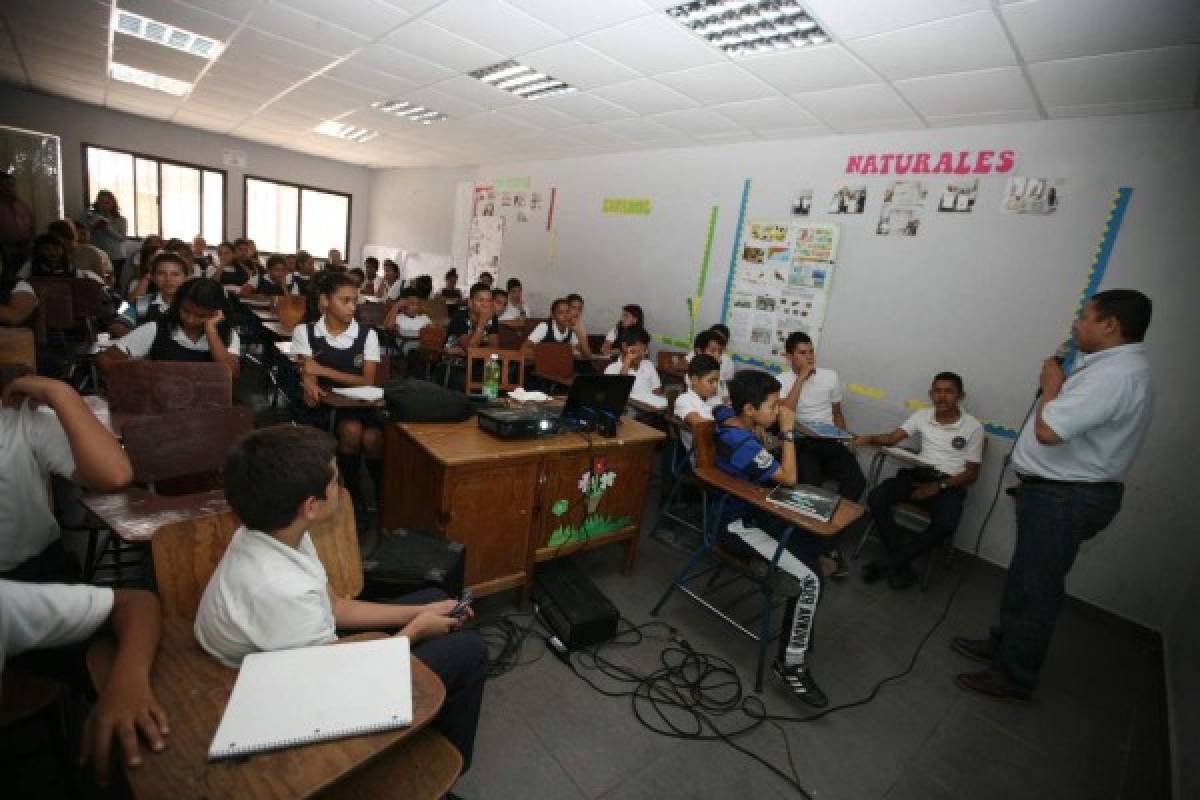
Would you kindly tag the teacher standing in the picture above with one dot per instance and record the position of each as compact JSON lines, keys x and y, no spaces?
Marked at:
{"x":1071,"y":461}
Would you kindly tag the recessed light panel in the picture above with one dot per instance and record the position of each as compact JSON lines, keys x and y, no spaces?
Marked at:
{"x":749,"y":27}
{"x":521,"y":80}
{"x":409,"y":111}
{"x":150,"y":30}
{"x":149,"y":80}
{"x":341,"y":130}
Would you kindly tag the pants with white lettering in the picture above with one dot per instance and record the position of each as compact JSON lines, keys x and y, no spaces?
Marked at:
{"x":460,"y":659}
{"x":945,"y":509}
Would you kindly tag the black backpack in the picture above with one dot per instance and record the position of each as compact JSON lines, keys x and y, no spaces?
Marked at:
{"x":413,"y":400}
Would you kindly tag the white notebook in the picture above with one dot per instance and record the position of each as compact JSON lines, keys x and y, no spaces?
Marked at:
{"x":311,"y":694}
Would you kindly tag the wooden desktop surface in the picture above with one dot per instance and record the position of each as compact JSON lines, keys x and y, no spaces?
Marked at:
{"x":135,"y":515}
{"x":193,"y":687}
{"x":846,"y":512}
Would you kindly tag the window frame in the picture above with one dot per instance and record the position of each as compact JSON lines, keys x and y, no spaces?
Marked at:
{"x":300,"y":189}
{"x":89,"y":195}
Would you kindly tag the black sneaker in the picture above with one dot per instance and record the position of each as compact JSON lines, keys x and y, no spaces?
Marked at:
{"x":981,"y":650}
{"x":840,"y":569}
{"x":802,"y":684}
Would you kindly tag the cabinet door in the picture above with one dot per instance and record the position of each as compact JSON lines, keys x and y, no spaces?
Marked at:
{"x":490,"y":510}
{"x":591,"y":495}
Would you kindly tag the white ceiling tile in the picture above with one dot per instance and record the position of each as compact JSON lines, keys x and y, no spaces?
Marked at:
{"x":874,"y":125}
{"x":495,"y":25}
{"x":697,"y":121}
{"x":726,"y":137}
{"x":849,"y":19}
{"x":413,"y":6}
{"x":539,"y":115}
{"x":84,"y":94}
{"x":717,"y":83}
{"x":594,"y":135}
{"x":584,"y":106}
{"x":796,"y":133}
{"x":1108,"y":109}
{"x":238,"y":81}
{"x":1169,"y":73}
{"x":853,"y":107}
{"x":578,"y":17}
{"x":260,"y":51}
{"x":157,"y":59}
{"x":306,"y":29}
{"x":500,"y":126}
{"x":390,"y":61}
{"x":369,"y":18}
{"x":442,"y":47}
{"x":354,"y":74}
{"x":989,"y":90}
{"x":768,"y":113}
{"x":644,"y":96}
{"x":653,"y":44}
{"x":982,"y":118}
{"x":578,"y":65}
{"x":440,"y":101}
{"x":829,"y":66}
{"x":958,"y":44}
{"x":1046,"y":31}
{"x":236,"y":10}
{"x":325,"y":96}
{"x":477,"y":92}
{"x":196,"y":20}
{"x":642,"y":129}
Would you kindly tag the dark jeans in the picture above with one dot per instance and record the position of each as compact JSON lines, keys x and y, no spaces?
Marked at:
{"x":52,"y":565}
{"x":818,"y":460}
{"x":460,"y":659}
{"x":945,"y":509}
{"x":1053,"y":519}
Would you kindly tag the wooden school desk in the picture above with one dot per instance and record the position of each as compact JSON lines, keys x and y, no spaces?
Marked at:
{"x":498,"y":497}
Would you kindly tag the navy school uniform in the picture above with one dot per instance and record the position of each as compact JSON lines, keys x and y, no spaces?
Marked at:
{"x":350,"y":359}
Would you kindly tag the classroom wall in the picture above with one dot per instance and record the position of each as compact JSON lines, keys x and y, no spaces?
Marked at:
{"x":77,"y":123}
{"x":412,"y":209}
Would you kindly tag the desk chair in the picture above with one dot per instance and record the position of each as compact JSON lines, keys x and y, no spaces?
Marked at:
{"x":437,"y":310}
{"x":164,"y":387}
{"x":512,"y":335}
{"x":28,"y":699}
{"x":678,"y":473}
{"x":291,"y":309}
{"x":595,"y":342}
{"x":670,"y":360}
{"x":554,"y":362}
{"x":431,"y":344}
{"x":371,"y":314}
{"x":17,"y":347}
{"x":711,"y":559}
{"x":512,"y":368}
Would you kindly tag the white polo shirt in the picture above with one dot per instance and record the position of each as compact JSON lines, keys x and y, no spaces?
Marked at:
{"x":645,"y":377}
{"x":137,"y":342}
{"x":343,"y":341}
{"x":411,"y":326}
{"x":33,"y":445}
{"x":817,"y":396}
{"x":542,"y":331}
{"x":39,"y":615}
{"x":23,"y":287}
{"x":264,"y":595}
{"x":691,"y":403}
{"x":512,"y":312}
{"x":1102,"y":415}
{"x":948,"y":448}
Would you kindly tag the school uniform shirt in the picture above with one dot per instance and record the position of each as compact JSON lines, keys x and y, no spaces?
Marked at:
{"x":393,"y":291}
{"x":727,"y":368}
{"x":262,"y":284}
{"x":645,"y":377}
{"x":742,"y":455}
{"x":550,"y":332}
{"x":948,"y":447}
{"x":90,"y":258}
{"x":1102,"y":415}
{"x":34,"y":616}
{"x":137,"y":343}
{"x":343,"y":341}
{"x":264,"y":595}
{"x":411,"y":326}
{"x":20,"y":287}
{"x":691,"y":403}
{"x":147,"y":307}
{"x":461,"y":326}
{"x":33,"y":446}
{"x":611,"y":336}
{"x":818,"y":395}
{"x":512,"y":312}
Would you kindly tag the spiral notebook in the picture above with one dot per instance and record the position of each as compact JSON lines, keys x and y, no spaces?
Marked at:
{"x":312,"y":694}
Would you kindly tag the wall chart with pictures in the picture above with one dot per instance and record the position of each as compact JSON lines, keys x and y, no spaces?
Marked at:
{"x":507,"y":208}
{"x":780,"y":284}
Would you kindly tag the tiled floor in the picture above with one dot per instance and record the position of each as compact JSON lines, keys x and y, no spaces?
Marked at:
{"x":1096,"y":729}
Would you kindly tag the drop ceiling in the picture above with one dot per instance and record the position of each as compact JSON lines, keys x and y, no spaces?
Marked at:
{"x":643,"y":80}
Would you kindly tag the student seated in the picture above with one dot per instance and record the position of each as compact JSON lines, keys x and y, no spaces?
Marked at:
{"x":631,"y":317}
{"x":389,"y":280}
{"x":270,"y":590}
{"x":34,"y":444}
{"x":499,"y":303}
{"x":228,"y":271}
{"x":334,"y":261}
{"x":169,"y":272}
{"x":337,"y":351}
{"x":195,"y":328}
{"x":408,"y":316}
{"x":17,"y":300}
{"x":634,"y":344}
{"x":373,"y":278}
{"x":200,"y":256}
{"x":451,"y":291}
{"x":516,"y":301}
{"x":741,"y":452}
{"x":139,"y":280}
{"x":487,"y":279}
{"x":474,"y":326}
{"x":306,"y":270}
{"x":49,"y":259}
{"x":952,"y":443}
{"x":41,"y":616}
{"x":557,"y":329}
{"x":727,"y":367}
{"x":271,"y":284}
{"x":357,"y":276}
{"x":697,"y":403}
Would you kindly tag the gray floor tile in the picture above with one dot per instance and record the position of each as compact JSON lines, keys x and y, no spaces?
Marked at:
{"x":916,"y":785}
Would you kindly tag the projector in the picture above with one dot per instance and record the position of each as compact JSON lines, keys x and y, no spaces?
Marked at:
{"x":517,"y":423}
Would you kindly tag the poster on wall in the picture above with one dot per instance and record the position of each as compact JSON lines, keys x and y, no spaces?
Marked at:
{"x":1024,"y":195}
{"x":959,"y":196}
{"x":902,"y":209}
{"x":780,"y":284}
{"x":848,"y":200}
{"x":802,"y":202}
{"x":484,"y":244}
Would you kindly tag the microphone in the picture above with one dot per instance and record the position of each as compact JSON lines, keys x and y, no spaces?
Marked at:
{"x":1063,"y":355}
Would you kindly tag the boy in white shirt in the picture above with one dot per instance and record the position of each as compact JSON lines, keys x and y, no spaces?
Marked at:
{"x":270,"y":590}
{"x":952,"y":446}
{"x":696,"y":404}
{"x":727,"y":367}
{"x":516,"y":302}
{"x":409,"y":318}
{"x":634,"y":344}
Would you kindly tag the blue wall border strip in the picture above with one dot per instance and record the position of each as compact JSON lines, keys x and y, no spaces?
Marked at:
{"x":737,"y":242}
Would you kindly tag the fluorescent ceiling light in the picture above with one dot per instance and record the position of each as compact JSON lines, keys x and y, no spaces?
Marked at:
{"x":521,"y":80}
{"x":148,"y":80}
{"x":341,"y":130}
{"x":746,"y":27}
{"x":402,"y":108}
{"x":131,"y":24}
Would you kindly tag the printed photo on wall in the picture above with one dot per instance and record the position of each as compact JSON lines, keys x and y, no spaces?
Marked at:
{"x":1032,"y":195}
{"x":780,"y":254}
{"x":905,"y":193}
{"x":535,"y":201}
{"x":848,"y":200}
{"x":802,"y":202}
{"x":898,"y":220}
{"x":959,"y":196}
{"x":768,"y":232}
{"x":754,"y":255}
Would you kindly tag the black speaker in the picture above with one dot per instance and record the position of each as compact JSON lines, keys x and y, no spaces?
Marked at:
{"x":571,"y":605}
{"x":406,"y":561}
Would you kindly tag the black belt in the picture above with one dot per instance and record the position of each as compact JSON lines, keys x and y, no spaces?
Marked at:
{"x":1034,"y":479}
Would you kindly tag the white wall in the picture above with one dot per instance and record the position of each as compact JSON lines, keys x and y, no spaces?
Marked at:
{"x":413,"y":210}
{"x":76,"y":123}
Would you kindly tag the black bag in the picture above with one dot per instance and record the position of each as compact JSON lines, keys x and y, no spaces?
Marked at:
{"x":406,"y":561}
{"x":412,"y":400}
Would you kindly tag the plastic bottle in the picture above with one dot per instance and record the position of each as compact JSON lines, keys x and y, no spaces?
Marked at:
{"x":491,"y":377}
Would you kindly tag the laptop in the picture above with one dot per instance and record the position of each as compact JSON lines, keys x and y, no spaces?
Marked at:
{"x":596,"y":402}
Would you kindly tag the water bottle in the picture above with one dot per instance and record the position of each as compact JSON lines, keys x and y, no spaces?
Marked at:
{"x":491,"y":377}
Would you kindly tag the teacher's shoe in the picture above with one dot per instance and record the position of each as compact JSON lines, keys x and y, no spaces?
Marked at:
{"x":993,"y":683}
{"x":981,"y":650}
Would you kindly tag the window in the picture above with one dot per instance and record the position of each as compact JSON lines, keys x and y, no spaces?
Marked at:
{"x":172,"y":199}
{"x":285,"y":217}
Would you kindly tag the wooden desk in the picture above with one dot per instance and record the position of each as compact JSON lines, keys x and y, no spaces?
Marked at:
{"x":193,"y":687}
{"x":135,"y":515}
{"x":498,"y":496}
{"x":846,"y":513}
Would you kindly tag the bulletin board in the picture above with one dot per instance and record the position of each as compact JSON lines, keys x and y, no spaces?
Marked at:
{"x":508,"y":207}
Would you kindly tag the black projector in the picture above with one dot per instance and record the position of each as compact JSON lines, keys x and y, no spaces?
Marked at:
{"x":517,"y":423}
{"x":571,"y":606}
